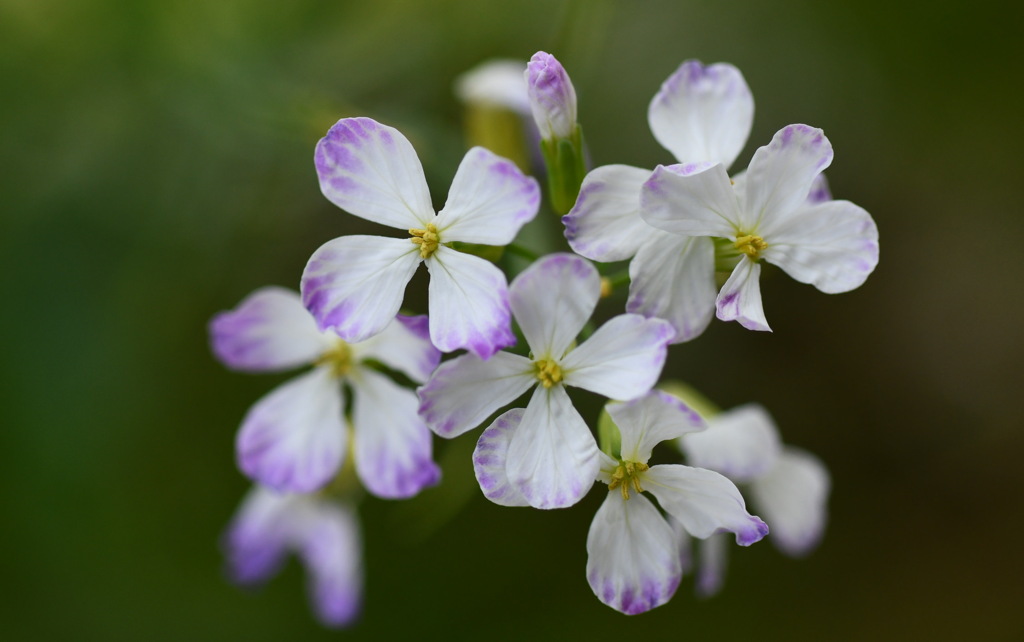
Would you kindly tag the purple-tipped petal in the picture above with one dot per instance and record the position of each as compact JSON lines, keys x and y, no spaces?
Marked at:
{"x":673,"y":278}
{"x":372,"y":171}
{"x":469,"y":304}
{"x":703,"y":113}
{"x":489,"y":201}
{"x":552,"y":96}
{"x":293,"y":439}
{"x":552,"y":457}
{"x":691,"y":200}
{"x":257,"y":539}
{"x":604,"y":224}
{"x":781,"y":174}
{"x":742,"y":444}
{"x":793,"y":497}
{"x":331,"y":547}
{"x":703,"y":501}
{"x":633,"y":561}
{"x":354,"y":285}
{"x":393,"y":448}
{"x":622,"y":359}
{"x":269,"y":330}
{"x":490,"y":456}
{"x":403,"y":345}
{"x":832,"y":245}
{"x":552,"y":300}
{"x":646,"y":422}
{"x":464,"y":391}
{"x":740,"y":297}
{"x":713,"y":560}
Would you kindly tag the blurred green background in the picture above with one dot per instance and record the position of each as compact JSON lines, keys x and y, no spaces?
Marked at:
{"x":156,"y":166}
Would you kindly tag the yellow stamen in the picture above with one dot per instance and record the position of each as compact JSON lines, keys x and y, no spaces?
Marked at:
{"x":627,"y":474}
{"x":751,"y":245}
{"x":427,"y":239}
{"x":548,"y":372}
{"x":606,"y":287}
{"x":338,"y":357}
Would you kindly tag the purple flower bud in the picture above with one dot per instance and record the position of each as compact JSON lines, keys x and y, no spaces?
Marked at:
{"x":552,"y":97}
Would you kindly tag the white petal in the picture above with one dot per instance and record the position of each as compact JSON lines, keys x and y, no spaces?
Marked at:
{"x":468,"y":304}
{"x":393,"y":449}
{"x":831,"y":245}
{"x":332,"y":549}
{"x":692,"y":200}
{"x":552,"y":457}
{"x":354,"y":285}
{"x":257,"y":540}
{"x":605,"y":224}
{"x":633,"y":562}
{"x":293,"y":439}
{"x":464,"y":391}
{"x":646,"y":422}
{"x":781,"y":174}
{"x":703,"y":113}
{"x":489,"y":201}
{"x":742,"y":444}
{"x":552,"y":300}
{"x":793,"y":497}
{"x":622,"y":359}
{"x":372,"y":171}
{"x":496,"y":83}
{"x":713,"y":559}
{"x":489,"y":460}
{"x":740,"y":297}
{"x":269,"y":330}
{"x":703,"y":501}
{"x":672,"y":277}
{"x":403,"y":345}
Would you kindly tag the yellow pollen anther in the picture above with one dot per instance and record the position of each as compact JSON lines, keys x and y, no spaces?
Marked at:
{"x":338,"y":357}
{"x":627,"y":474}
{"x":606,"y":287}
{"x":427,"y":239}
{"x":751,"y":245}
{"x":548,"y":372}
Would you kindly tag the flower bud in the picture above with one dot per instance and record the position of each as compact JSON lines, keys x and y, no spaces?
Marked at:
{"x":552,"y":96}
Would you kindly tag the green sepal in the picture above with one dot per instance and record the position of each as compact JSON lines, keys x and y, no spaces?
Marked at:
{"x":566,"y":168}
{"x":608,"y":435}
{"x":490,"y":253}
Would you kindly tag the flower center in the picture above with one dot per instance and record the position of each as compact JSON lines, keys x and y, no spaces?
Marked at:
{"x":427,"y":239}
{"x":751,"y":245}
{"x":338,"y":357}
{"x":627,"y":474}
{"x":548,"y":372}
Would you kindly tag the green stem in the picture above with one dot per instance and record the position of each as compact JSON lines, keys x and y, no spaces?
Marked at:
{"x":521,"y":251}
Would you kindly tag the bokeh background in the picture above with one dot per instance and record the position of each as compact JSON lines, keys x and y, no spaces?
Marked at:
{"x":156,"y":166}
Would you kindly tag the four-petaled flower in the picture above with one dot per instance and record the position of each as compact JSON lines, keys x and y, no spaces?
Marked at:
{"x":769,"y":213}
{"x":355,"y":284}
{"x":323,"y":533}
{"x":295,"y":438}
{"x":789,"y":486}
{"x":701,"y":114}
{"x":552,"y":457}
{"x":634,"y":560}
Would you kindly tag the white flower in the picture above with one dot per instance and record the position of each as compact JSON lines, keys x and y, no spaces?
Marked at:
{"x":701,"y":114}
{"x":770,"y":213}
{"x":355,"y":284}
{"x":552,"y":457}
{"x":634,"y":558}
{"x":295,"y":438}
{"x":789,"y":486}
{"x":324,"y":534}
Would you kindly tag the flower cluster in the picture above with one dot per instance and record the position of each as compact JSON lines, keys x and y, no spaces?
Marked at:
{"x":352,"y":421}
